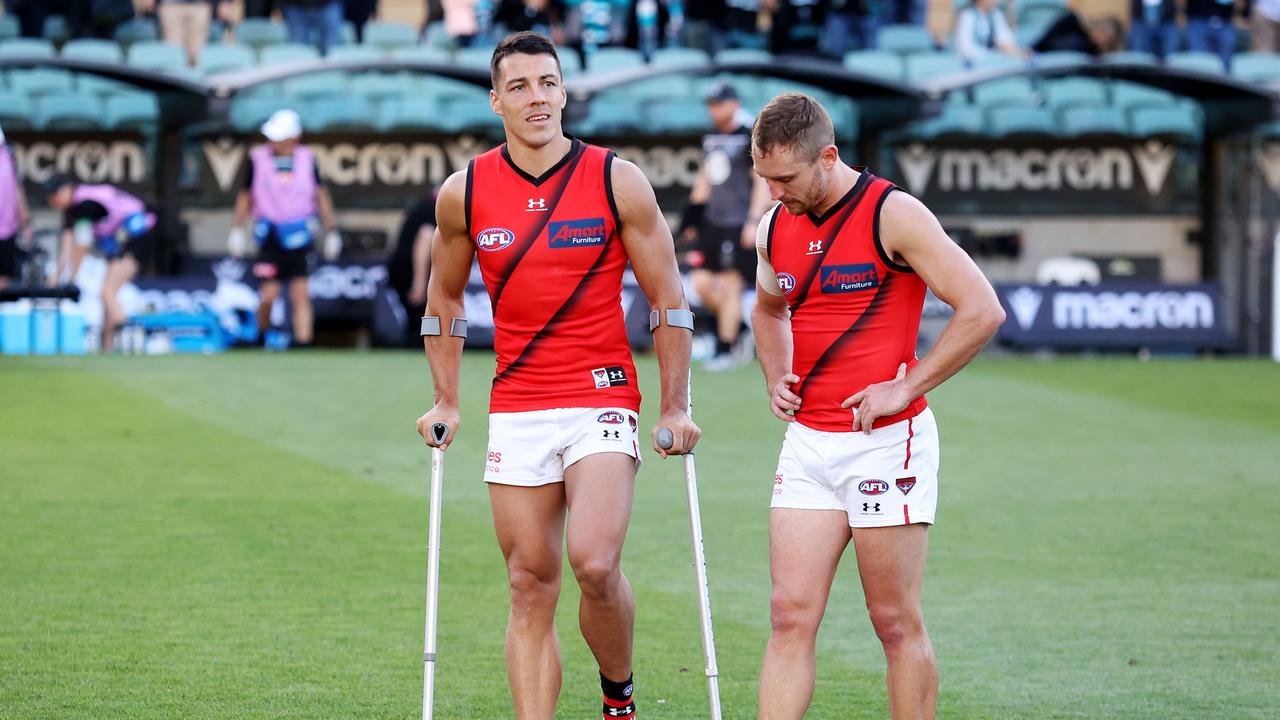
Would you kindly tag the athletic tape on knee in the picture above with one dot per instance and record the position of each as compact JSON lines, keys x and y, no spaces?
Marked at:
{"x":676,"y":317}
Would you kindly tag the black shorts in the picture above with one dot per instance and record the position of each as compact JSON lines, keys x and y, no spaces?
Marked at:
{"x":276,"y":263}
{"x":721,"y":249}
{"x":9,"y":257}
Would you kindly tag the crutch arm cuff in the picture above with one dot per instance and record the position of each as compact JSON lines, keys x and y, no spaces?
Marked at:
{"x":675,"y":317}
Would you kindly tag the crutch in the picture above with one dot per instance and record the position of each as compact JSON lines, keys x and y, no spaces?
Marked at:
{"x":665,"y":441}
{"x":439,"y":431}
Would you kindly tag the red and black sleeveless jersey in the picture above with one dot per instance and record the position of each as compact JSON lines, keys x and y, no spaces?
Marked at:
{"x":855,"y":313}
{"x":552,"y":261}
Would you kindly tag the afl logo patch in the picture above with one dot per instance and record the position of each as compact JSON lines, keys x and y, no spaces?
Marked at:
{"x":610,"y":418}
{"x":873,"y":487}
{"x":786,"y":282}
{"x":495,"y":239}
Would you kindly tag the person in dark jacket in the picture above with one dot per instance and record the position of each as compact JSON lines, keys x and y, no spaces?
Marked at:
{"x":1153,"y":27}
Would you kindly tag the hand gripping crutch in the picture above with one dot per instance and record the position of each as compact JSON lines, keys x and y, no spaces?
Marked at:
{"x":665,"y":441}
{"x":439,"y":431}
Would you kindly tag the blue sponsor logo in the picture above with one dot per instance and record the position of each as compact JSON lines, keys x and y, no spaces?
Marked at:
{"x":849,"y":278}
{"x":873,"y":487}
{"x":786,"y":282}
{"x":586,"y":232}
{"x":495,"y":239}
{"x":612,"y":417}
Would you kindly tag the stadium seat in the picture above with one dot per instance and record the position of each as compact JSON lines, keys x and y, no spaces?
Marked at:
{"x":248,"y":113}
{"x":225,"y":58}
{"x":15,"y":111}
{"x":260,"y":32}
{"x":1074,"y":92}
{"x":337,"y":113}
{"x":665,"y":86}
{"x":474,"y":57}
{"x":927,"y":65}
{"x":1260,"y":67}
{"x":389,"y":35}
{"x":613,"y":114}
{"x":99,"y":86}
{"x":131,"y":111}
{"x":1094,"y":121}
{"x":443,"y":88}
{"x":9,"y":27}
{"x":876,"y":63}
{"x":614,"y":58}
{"x":1006,"y":122}
{"x":156,"y":55}
{"x":997,"y":61}
{"x":411,"y":113}
{"x":56,"y":29}
{"x":744,"y":55}
{"x":26,"y":47}
{"x":106,"y":51}
{"x":1005,"y":92}
{"x":133,"y":31}
{"x":1058,"y":58}
{"x":422,"y":53}
{"x":1130,"y":57}
{"x":1178,"y":122}
{"x":346,"y":34}
{"x":1206,"y":62}
{"x":379,"y":86}
{"x":905,"y":39}
{"x":678,"y":115}
{"x":1130,"y":95}
{"x":356,"y":53}
{"x":464,"y":114}
{"x":570,"y":63}
{"x":287,"y":53}
{"x":40,"y":81}
{"x":316,"y":85}
{"x":684,"y":57}
{"x":953,"y":121}
{"x":68,"y":111}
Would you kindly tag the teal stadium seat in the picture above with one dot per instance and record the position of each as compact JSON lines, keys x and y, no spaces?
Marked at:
{"x":15,"y":111}
{"x":1130,"y":57}
{"x":287,"y":53}
{"x":69,"y":111}
{"x":928,"y":65}
{"x":657,"y":88}
{"x":1005,"y":92}
{"x":1005,"y":122}
{"x":258,"y":33}
{"x":1074,"y":92}
{"x":998,"y":61}
{"x":1260,"y":67}
{"x":1178,"y":122}
{"x":466,"y":115}
{"x":131,"y":111}
{"x":389,"y":35}
{"x":683,"y":57}
{"x":156,"y":55}
{"x":611,"y":115}
{"x":26,"y":47}
{"x":134,"y":31}
{"x":356,"y":53}
{"x":379,"y":86}
{"x":104,"y":51}
{"x":248,"y":113}
{"x":1129,"y":95}
{"x":678,"y":115}
{"x":744,"y":55}
{"x":98,"y":86}
{"x":876,"y":63}
{"x":316,"y":85}
{"x":9,"y":27}
{"x":56,"y":30}
{"x":611,"y":59}
{"x":1081,"y":121}
{"x":411,"y":113}
{"x":338,"y":113}
{"x":905,"y":39}
{"x":1059,"y":58}
{"x":570,"y":63}
{"x":474,"y":57}
{"x":444,"y":88}
{"x":1205,"y":62}
{"x":41,"y":81}
{"x":217,"y":59}
{"x":424,"y":54}
{"x":954,"y":121}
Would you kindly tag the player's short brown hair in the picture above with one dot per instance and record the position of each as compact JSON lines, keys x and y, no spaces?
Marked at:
{"x":793,"y":120}
{"x":522,"y":43}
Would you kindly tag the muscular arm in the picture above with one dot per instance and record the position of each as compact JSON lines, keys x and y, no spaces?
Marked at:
{"x":771,"y":323}
{"x":647,"y":239}
{"x":451,"y":256}
{"x":912,"y":236}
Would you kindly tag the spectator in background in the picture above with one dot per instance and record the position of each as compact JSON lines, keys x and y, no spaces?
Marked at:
{"x":1070,"y":33}
{"x":259,"y":8}
{"x":31,"y":14}
{"x":1211,"y":27}
{"x":538,"y":16}
{"x":185,"y":23}
{"x":1153,"y":26}
{"x":97,"y":18}
{"x":797,"y":25}
{"x":850,"y":25}
{"x":981,"y":30}
{"x":905,"y":12}
{"x":313,"y":22}
{"x":15,"y":220}
{"x":1264,"y":26}
{"x":358,"y":13}
{"x":410,"y":264}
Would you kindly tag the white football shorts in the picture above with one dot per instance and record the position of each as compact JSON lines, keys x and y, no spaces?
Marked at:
{"x":887,"y":478}
{"x":533,"y":448}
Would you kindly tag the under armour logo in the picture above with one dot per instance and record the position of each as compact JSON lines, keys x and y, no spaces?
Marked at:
{"x":815,"y":247}
{"x":867,"y":507}
{"x":535,"y":205}
{"x":612,"y":433}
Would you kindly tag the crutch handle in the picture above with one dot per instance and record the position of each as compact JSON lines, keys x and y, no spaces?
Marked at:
{"x":666,"y":439}
{"x":439,"y":431}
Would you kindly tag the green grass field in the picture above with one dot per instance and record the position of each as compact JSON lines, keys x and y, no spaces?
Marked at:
{"x":243,"y":536}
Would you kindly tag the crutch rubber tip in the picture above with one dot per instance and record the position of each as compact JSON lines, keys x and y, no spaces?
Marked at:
{"x":439,"y":431}
{"x":665,"y":439}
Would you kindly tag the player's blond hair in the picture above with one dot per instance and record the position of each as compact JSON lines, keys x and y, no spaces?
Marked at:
{"x":796,"y":121}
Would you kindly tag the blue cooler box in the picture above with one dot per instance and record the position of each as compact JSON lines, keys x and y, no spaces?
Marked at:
{"x":44,"y":327}
{"x":71,"y":329}
{"x":15,"y":327}
{"x":186,"y":332}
